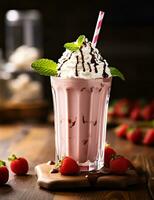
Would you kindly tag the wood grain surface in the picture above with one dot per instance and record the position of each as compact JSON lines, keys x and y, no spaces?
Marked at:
{"x":36,"y":142}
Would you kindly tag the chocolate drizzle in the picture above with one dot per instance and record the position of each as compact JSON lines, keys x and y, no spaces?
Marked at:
{"x":95,"y":67}
{"x":82,"y":59}
{"x":93,"y":60}
{"x":76,"y":66}
{"x":65,"y":61}
{"x":85,"y":44}
{"x":89,"y":67}
{"x":105,"y":75}
{"x":89,"y":63}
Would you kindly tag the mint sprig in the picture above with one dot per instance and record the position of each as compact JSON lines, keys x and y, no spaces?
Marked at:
{"x":115,"y":72}
{"x":45,"y":67}
{"x":71,"y":46}
{"x":74,"y":46}
{"x":80,"y":40}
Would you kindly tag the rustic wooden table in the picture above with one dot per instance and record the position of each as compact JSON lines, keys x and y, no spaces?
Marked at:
{"x":36,"y":142}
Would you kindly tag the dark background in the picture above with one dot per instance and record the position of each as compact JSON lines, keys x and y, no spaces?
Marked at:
{"x":126,"y":39}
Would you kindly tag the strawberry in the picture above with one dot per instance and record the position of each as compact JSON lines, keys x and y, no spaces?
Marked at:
{"x":121,"y":130}
{"x":18,"y":165}
{"x":4,"y":173}
{"x":69,"y":166}
{"x":147,"y":112}
{"x":134,"y":135}
{"x":119,"y":165}
{"x":135,"y":113}
{"x":111,"y":112}
{"x":122,"y":108}
{"x":108,"y":154}
{"x":149,"y":137}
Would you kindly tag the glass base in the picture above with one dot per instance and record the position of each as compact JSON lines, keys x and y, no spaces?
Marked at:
{"x":91,"y":166}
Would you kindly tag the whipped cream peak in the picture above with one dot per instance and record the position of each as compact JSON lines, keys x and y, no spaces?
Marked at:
{"x":86,"y":62}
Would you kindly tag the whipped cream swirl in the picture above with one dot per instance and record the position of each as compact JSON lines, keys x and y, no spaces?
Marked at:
{"x":84,"y":63}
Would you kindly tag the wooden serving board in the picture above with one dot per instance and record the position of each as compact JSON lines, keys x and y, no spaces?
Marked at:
{"x":56,"y":181}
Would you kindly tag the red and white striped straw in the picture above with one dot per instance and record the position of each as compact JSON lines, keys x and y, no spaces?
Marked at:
{"x":98,"y":27}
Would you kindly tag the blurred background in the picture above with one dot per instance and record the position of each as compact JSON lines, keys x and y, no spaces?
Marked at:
{"x":33,"y":29}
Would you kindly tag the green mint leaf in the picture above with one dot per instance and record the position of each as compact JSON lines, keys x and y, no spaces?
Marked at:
{"x":80,"y":40}
{"x":74,"y":46}
{"x":115,"y":72}
{"x":45,"y":67}
{"x":71,"y":46}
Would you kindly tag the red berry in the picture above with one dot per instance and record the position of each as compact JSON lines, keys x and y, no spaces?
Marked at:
{"x":134,"y":135}
{"x":108,"y":154}
{"x":4,"y":173}
{"x":149,"y":137}
{"x":121,"y":130}
{"x":111,"y":112}
{"x":122,"y":108}
{"x":119,"y":165}
{"x":135,"y":113}
{"x":18,"y":165}
{"x":69,"y":166}
{"x":147,"y":112}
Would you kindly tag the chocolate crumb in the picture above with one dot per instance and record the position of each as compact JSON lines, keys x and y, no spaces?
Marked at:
{"x":85,"y":142}
{"x":73,"y":124}
{"x":83,"y":120}
{"x":82,"y":89}
{"x":100,"y":90}
{"x":54,"y":170}
{"x":51,"y":162}
{"x":102,"y":85}
{"x":95,"y":122}
{"x":91,"y":89}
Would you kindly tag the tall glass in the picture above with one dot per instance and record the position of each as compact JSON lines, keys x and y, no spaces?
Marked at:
{"x":80,"y":112}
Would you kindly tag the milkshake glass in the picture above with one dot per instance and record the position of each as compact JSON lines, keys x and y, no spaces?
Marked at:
{"x":80,"y":112}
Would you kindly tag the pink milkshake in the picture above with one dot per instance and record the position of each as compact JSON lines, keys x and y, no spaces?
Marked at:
{"x":81,"y":94}
{"x":81,"y":83}
{"x":80,"y":108}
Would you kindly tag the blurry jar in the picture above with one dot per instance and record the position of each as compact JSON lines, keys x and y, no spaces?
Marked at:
{"x":23,"y":38}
